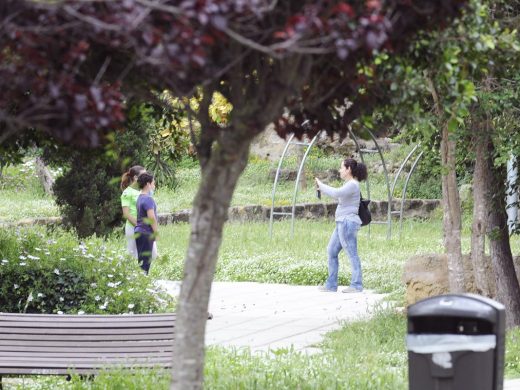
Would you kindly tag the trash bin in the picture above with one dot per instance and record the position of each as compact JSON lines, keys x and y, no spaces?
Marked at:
{"x":456,"y":342}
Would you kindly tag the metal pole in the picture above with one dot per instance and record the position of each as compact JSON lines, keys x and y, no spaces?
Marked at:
{"x":302,"y":163}
{"x":402,"y":167}
{"x":403,"y":198}
{"x":271,"y":217}
{"x":367,"y":182}
{"x":389,"y":223}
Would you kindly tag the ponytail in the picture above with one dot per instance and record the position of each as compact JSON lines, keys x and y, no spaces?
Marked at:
{"x":129,"y":176}
{"x":359,"y":170}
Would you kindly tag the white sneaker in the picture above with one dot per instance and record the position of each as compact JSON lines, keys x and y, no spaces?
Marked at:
{"x":351,"y":289}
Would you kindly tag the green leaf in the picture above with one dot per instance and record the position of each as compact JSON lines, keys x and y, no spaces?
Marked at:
{"x":453,"y":125}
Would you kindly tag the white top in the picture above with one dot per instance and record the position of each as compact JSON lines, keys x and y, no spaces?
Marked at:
{"x":348,"y":196}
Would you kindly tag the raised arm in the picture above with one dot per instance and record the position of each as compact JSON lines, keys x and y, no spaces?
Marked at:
{"x":336,"y":193}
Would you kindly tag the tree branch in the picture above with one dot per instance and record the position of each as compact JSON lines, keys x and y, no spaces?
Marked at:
{"x":90,"y":20}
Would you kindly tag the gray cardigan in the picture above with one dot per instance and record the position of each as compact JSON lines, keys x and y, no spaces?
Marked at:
{"x":348,"y":197}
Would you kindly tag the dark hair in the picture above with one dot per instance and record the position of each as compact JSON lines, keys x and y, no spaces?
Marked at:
{"x":359,"y":170}
{"x":143,"y":179}
{"x":128,"y":176}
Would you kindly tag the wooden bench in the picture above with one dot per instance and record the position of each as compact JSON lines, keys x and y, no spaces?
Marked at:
{"x":42,"y":344}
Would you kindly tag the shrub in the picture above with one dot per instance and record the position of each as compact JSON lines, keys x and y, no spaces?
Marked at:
{"x":53,"y":274}
{"x":88,"y":195}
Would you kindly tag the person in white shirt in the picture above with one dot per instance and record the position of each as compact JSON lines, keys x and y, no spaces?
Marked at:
{"x":347,"y":225}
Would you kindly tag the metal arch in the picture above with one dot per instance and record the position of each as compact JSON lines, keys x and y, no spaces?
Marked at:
{"x":354,"y":138}
{"x":389,"y":214}
{"x":403,"y":198}
{"x":271,"y":218}
{"x":401,"y":168}
{"x":300,"y":169}
{"x":275,"y":184}
{"x":367,"y":183}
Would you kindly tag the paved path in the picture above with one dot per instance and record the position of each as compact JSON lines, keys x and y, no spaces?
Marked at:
{"x":269,"y":316}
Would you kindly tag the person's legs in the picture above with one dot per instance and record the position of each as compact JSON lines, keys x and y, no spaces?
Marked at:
{"x":348,"y":238}
{"x":144,"y":249}
{"x":130,"y":241}
{"x":333,"y":250}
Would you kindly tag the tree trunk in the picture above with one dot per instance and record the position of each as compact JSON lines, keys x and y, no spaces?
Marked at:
{"x":210,"y":211}
{"x":44,"y":175}
{"x":508,"y":288}
{"x":481,"y":179}
{"x":452,"y":213}
{"x":452,"y":223}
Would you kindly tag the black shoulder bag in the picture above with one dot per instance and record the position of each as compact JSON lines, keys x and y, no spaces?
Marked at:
{"x":364,"y":212}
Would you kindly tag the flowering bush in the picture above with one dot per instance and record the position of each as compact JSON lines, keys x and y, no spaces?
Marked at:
{"x":43,"y":273}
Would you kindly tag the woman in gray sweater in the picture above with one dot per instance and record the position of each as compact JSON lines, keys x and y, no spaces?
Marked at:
{"x":347,"y":224}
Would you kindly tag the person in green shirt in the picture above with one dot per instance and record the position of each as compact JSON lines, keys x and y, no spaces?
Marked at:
{"x":128,"y":205}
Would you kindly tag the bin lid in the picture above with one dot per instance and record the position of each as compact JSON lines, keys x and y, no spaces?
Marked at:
{"x":457,"y":305}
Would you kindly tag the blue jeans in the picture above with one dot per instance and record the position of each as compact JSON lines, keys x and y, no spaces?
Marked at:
{"x":344,"y":237}
{"x":144,"y":243}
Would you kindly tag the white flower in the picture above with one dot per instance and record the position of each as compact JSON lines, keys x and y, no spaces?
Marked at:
{"x":62,"y":258}
{"x":56,"y":271}
{"x":110,"y":284}
{"x":22,"y":264}
{"x":4,"y":261}
{"x":131,"y":306}
{"x":93,"y":284}
{"x":33,"y":257}
{"x":61,"y":299}
{"x":60,"y":312}
{"x":97,"y":297}
{"x":110,"y":276}
{"x":40,"y":295}
{"x":22,"y":257}
{"x":16,"y":286}
{"x":81,"y":312}
{"x":37,"y":249}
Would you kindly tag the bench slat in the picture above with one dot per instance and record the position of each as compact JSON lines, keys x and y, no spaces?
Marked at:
{"x":86,"y":325}
{"x":81,"y":362}
{"x":41,"y":356}
{"x":80,"y":331}
{"x":84,"y":317}
{"x":88,"y":338}
{"x":99,"y":350}
{"x":84,"y":357}
{"x":80,"y":344}
{"x":67,"y":371}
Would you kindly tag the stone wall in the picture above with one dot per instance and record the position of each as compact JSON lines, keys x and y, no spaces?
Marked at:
{"x":415,"y":208}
